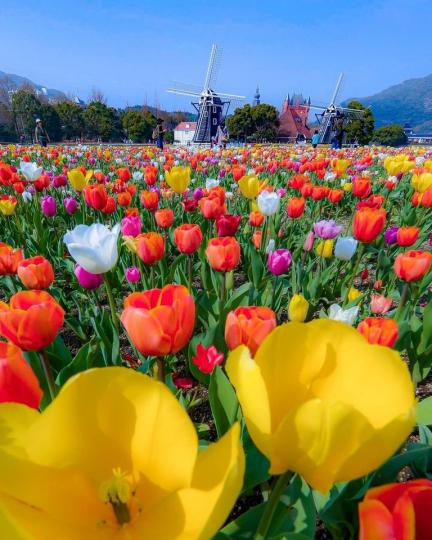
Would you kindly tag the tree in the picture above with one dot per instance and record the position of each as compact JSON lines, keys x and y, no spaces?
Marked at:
{"x":71,"y":118}
{"x":51,"y":121}
{"x":138,"y":125}
{"x":7,"y":127}
{"x":360,"y":129}
{"x":102,"y":122}
{"x":393,"y":135}
{"x":258,"y":123}
{"x":98,"y":96}
{"x":25,"y":108}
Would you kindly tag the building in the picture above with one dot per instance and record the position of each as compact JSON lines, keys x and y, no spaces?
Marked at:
{"x":293,"y":119}
{"x":184,"y":132}
{"x":257,"y":97}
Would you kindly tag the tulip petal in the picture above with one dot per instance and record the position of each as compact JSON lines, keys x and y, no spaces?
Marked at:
{"x":376,"y":522}
{"x":246,"y":376}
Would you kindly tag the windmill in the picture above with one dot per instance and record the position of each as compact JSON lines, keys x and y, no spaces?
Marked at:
{"x":334,"y":115}
{"x":212,"y":106}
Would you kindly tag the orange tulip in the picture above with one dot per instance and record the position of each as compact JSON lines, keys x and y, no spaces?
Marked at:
{"x":150,"y":247}
{"x":9,"y":259}
{"x":36,"y":273}
{"x":335,"y":195}
{"x":407,"y":236}
{"x":295,"y":207}
{"x":124,"y":174}
{"x":368,"y":223}
{"x":18,"y":383}
{"x":31,"y":320}
{"x":361,"y":187}
{"x":96,"y":196}
{"x":223,"y":253}
{"x":257,"y":238}
{"x":159,"y":321}
{"x":379,"y":330}
{"x":124,"y":198}
{"x":412,"y":265}
{"x":150,"y":200}
{"x":110,"y":205}
{"x":164,"y":218}
{"x":249,"y":326}
{"x":188,"y":238}
{"x":211,"y":207}
{"x":380,"y":304}
{"x":256,"y":219}
{"x":397,"y":512}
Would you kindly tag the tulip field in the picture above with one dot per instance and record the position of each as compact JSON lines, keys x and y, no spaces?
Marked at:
{"x":215,"y":343}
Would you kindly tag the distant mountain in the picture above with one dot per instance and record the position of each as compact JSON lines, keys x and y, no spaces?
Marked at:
{"x":409,"y":102}
{"x":15,"y":81}
{"x":184,"y":116}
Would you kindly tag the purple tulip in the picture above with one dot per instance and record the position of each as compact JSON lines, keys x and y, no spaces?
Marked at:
{"x":222,"y":173}
{"x":87,"y":280}
{"x":327,"y":229}
{"x":131,"y":226}
{"x":31,"y":189}
{"x":279,"y":261}
{"x":390,"y":235}
{"x":198,"y":194}
{"x":70,"y":205}
{"x":281,"y":192}
{"x":132,"y":274}
{"x":309,"y":241}
{"x":48,"y":206}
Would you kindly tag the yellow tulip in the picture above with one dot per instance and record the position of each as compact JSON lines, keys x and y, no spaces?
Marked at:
{"x":249,"y":186}
{"x":421,"y":182}
{"x":353,"y":293}
{"x":341,"y":165}
{"x":89,"y":175}
{"x":178,"y":178}
{"x":325,"y":248}
{"x":114,"y":457}
{"x":77,"y":180}
{"x":130,"y":243}
{"x":314,"y":401}
{"x":298,"y":308}
{"x":7,"y":206}
{"x":347,"y":187}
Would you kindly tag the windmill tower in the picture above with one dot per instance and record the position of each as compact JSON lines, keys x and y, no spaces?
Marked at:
{"x":334,"y":114}
{"x":212,"y":106}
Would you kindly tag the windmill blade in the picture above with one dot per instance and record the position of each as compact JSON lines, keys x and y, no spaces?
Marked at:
{"x":337,"y":89}
{"x":213,"y":67}
{"x":183,"y":87}
{"x":183,"y":92}
{"x":229,"y":96}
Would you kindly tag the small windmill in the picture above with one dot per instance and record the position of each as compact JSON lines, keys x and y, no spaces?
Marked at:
{"x":212,"y":106}
{"x":333,"y":114}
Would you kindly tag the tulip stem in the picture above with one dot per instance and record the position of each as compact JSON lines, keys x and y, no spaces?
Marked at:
{"x":160,"y":367}
{"x":354,"y":273}
{"x":222,"y":291}
{"x":402,"y":301}
{"x":190,"y":263}
{"x":270,"y":508}
{"x":275,"y":282}
{"x":111,"y":302}
{"x":48,"y":374}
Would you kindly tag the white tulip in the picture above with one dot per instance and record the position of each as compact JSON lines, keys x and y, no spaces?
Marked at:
{"x":345,"y":248}
{"x":337,"y":313}
{"x":27,"y":196}
{"x":93,"y":247}
{"x":30,"y":170}
{"x":270,"y":246}
{"x":211,"y":183}
{"x":268,"y":202}
{"x":137,"y":176}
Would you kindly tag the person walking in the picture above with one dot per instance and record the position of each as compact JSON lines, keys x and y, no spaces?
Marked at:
{"x":41,"y":135}
{"x":221,"y":135}
{"x":315,"y":138}
{"x":158,"y":133}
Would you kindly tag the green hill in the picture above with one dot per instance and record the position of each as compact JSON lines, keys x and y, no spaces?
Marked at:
{"x":409,"y":102}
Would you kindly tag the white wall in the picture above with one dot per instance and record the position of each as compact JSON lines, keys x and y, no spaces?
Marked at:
{"x":183,"y":136}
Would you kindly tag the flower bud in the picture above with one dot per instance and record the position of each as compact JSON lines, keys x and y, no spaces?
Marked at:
{"x":298,"y":308}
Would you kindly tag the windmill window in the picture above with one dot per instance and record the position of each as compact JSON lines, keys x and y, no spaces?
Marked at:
{"x":205,"y":112}
{"x":214,"y":109}
{"x":214,"y":121}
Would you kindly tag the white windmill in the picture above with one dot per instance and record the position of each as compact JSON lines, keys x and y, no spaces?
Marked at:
{"x":334,"y":117}
{"x":212,"y":106}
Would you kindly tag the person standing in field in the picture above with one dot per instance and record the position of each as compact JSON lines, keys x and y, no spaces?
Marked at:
{"x":315,"y":138}
{"x":222,"y":135}
{"x":158,"y":133}
{"x":41,"y":135}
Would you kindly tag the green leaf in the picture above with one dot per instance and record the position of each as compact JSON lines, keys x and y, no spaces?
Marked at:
{"x":424,"y":412}
{"x":237,"y":297}
{"x":223,"y":401}
{"x":257,"y":465}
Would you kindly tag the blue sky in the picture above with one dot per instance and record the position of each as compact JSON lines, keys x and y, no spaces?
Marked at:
{"x":133,"y":49}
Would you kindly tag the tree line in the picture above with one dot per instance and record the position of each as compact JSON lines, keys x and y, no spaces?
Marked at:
{"x":66,"y":120}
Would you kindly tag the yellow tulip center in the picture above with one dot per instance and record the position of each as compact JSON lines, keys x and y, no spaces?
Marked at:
{"x":117,"y":491}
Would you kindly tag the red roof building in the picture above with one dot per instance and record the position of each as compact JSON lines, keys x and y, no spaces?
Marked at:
{"x":293,"y":119}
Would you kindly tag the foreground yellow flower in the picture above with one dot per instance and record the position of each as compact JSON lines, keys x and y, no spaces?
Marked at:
{"x":315,"y":402}
{"x":421,"y":182}
{"x":249,"y":186}
{"x":178,"y":178}
{"x":325,"y":248}
{"x":113,"y":457}
{"x":77,"y":180}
